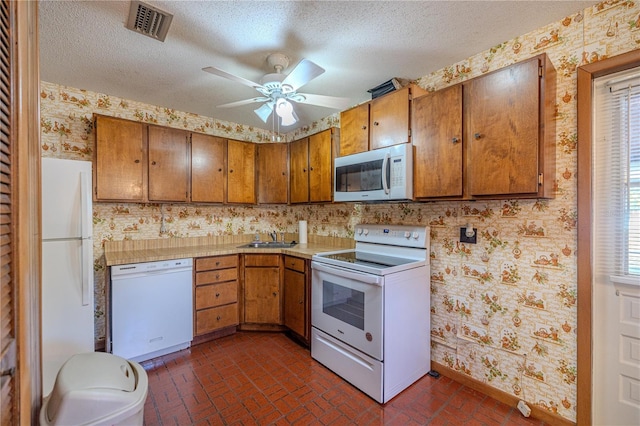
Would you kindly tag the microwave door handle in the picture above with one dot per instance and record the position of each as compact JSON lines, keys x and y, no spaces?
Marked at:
{"x":385,"y":178}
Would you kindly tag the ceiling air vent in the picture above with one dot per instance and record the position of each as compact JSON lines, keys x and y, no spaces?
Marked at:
{"x":148,"y":20}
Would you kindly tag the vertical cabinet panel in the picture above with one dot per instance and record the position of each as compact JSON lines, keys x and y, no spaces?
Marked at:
{"x":502,"y":124}
{"x":241,"y":185}
{"x":321,"y":166}
{"x":169,"y":165}
{"x":437,"y":138}
{"x":354,"y":130}
{"x":120,"y":160}
{"x":208,"y":168}
{"x":273,"y":173}
{"x":299,"y":169}
{"x":262,"y":289}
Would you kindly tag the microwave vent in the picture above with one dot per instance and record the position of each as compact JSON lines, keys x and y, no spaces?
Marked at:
{"x":148,"y":20}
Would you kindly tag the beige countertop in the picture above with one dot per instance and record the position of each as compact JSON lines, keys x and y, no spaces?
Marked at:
{"x":125,"y":252}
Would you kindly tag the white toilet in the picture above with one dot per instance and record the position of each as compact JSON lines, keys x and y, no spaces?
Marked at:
{"x":97,"y":388}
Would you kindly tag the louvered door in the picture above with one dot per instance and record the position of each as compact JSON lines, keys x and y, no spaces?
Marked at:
{"x":7,"y":266}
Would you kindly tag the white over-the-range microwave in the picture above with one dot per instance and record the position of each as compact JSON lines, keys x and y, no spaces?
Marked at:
{"x":382,"y":174}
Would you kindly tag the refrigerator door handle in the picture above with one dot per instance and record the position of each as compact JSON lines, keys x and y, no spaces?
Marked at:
{"x":87,"y":214}
{"x":87,"y":270}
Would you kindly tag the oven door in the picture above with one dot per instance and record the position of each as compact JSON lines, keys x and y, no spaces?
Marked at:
{"x":348,"y":305}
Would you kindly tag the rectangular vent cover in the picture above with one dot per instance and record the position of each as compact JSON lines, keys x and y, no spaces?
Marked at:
{"x":148,"y":20}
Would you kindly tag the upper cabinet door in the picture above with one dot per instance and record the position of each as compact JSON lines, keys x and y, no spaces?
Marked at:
{"x":321,"y":166}
{"x":208,"y":168}
{"x":241,"y":160}
{"x":299,"y":169}
{"x":120,"y":160}
{"x":354,"y":130}
{"x":389,"y":119}
{"x":168,"y":164}
{"x":273,"y":173}
{"x":502,"y":129}
{"x":437,"y":137}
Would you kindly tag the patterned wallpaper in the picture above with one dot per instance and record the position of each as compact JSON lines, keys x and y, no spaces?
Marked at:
{"x":503,"y":311}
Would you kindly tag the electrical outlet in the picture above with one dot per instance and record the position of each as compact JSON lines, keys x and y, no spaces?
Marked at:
{"x":468,"y":240}
{"x":524,"y":408}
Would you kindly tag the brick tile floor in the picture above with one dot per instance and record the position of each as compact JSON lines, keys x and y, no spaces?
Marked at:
{"x":268,"y":379}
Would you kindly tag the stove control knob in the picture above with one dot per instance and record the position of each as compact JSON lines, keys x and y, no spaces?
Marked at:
{"x":366,"y":231}
{"x":407,"y":234}
{"x":416,"y":235}
{"x":359,"y":230}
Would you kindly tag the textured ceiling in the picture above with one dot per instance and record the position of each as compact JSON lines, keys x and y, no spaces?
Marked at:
{"x":84,"y":44}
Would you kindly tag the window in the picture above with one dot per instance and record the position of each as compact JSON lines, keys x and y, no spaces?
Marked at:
{"x":616,"y":176}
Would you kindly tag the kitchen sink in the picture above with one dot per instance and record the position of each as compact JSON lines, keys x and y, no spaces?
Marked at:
{"x":268,"y":244}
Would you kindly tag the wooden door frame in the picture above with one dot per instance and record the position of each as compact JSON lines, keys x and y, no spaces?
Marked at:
{"x":586,"y":75}
{"x":25,"y":140}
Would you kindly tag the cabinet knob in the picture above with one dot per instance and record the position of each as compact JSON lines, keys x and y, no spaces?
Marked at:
{"x":375,"y":123}
{"x":311,"y":169}
{"x":477,"y":135}
{"x":217,"y":294}
{"x":455,"y":140}
{"x":284,"y":173}
{"x":219,"y":170}
{"x":364,"y":127}
{"x":153,"y":163}
{"x":218,"y":317}
{"x":217,"y":276}
{"x":231,"y":171}
{"x":275,"y":294}
{"x":304,"y":170}
{"x":301,"y":302}
{"x":136,"y":161}
{"x":218,"y":263}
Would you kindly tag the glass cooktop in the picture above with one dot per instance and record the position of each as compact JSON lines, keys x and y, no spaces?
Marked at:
{"x":368,"y":259}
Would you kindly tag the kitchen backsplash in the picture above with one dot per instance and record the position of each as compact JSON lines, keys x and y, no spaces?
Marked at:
{"x":503,"y":311}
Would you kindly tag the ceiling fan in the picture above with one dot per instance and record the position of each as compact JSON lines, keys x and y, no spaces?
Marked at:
{"x":279,"y":90}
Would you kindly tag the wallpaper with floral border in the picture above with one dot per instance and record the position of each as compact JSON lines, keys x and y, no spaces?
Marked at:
{"x":503,"y":311}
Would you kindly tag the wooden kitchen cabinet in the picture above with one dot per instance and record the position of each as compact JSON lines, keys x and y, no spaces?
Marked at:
{"x":311,"y":167}
{"x":208,"y":168}
{"x":216,"y":295}
{"x":169,"y":164}
{"x":241,"y":184}
{"x":273,"y":173}
{"x":509,"y":131}
{"x":261,"y":292}
{"x":354,"y":130}
{"x":388,"y":121}
{"x":437,"y":137}
{"x":297,"y":297}
{"x":120,"y":172}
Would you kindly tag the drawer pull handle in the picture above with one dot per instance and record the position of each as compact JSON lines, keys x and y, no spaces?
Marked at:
{"x":218,"y":317}
{"x":217,"y":276}
{"x":218,"y":263}
{"x":217,"y":294}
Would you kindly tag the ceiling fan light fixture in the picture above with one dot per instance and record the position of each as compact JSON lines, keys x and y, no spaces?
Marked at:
{"x":284,"y":109}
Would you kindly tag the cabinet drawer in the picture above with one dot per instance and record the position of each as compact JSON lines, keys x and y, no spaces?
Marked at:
{"x":208,"y":296}
{"x":212,"y":277}
{"x":261,"y":260}
{"x":216,"y":262}
{"x":208,"y":320}
{"x":295,"y":263}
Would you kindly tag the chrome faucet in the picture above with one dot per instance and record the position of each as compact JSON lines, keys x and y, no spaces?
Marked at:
{"x":274,"y":235}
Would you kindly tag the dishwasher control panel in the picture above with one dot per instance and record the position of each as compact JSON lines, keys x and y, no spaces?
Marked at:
{"x":161,"y":265}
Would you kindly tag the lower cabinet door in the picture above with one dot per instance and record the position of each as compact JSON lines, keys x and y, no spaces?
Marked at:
{"x":212,"y":319}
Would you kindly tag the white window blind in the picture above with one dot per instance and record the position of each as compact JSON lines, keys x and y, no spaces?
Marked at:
{"x":616,"y":175}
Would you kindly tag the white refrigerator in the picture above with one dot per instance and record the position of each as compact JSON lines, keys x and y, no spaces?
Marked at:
{"x":67,"y":264}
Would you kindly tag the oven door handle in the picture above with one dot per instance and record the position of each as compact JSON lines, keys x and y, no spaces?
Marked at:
{"x":349,"y":274}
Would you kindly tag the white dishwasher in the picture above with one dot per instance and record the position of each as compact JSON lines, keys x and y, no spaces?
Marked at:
{"x":151,"y":308}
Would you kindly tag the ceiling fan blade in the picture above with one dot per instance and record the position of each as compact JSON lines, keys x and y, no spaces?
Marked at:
{"x":219,"y":72}
{"x":264,"y":111}
{"x":322,"y":100}
{"x":303,"y":73}
{"x":243,"y":102}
